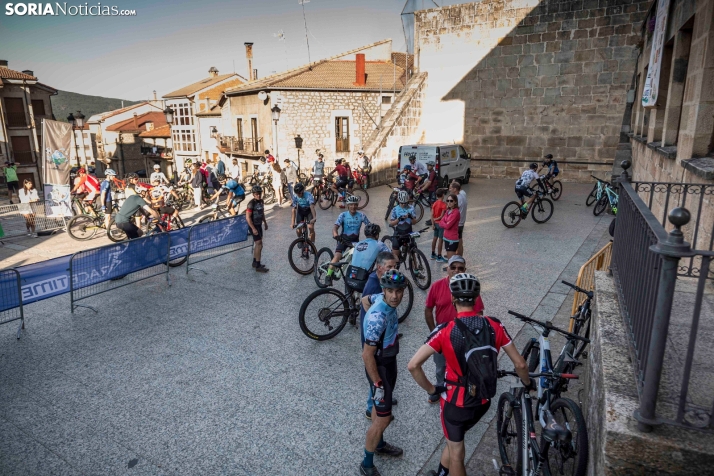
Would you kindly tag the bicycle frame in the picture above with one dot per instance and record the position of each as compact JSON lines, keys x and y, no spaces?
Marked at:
{"x":613,"y":198}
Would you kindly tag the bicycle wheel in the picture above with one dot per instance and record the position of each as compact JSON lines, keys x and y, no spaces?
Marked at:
{"x":268,"y":194}
{"x":600,"y":206}
{"x":508,"y":432}
{"x":82,"y":227}
{"x":592,"y":197}
{"x":542,"y":210}
{"x":363,"y":197}
{"x":324,"y":314}
{"x":556,"y":190}
{"x":531,"y":354}
{"x":325,"y":200}
{"x":207,"y":218}
{"x":115,"y":233}
{"x":571,"y":457}
{"x":405,"y":306}
{"x":511,"y":214}
{"x":301,"y":254}
{"x":419,"y":268}
{"x":389,"y":208}
{"x":387,"y":239}
{"x":322,"y":258}
{"x":419,"y":210}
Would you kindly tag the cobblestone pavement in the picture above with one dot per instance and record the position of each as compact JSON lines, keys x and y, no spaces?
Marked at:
{"x":211,"y":375}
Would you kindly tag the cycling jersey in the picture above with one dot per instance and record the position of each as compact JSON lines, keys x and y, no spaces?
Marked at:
{"x":235,"y":187}
{"x":366,"y":251}
{"x":256,"y":212}
{"x":380,"y":325}
{"x":303,"y":203}
{"x":419,"y":168}
{"x":318,"y":169}
{"x":158,"y":176}
{"x":351,"y":224}
{"x":527,"y":177}
{"x":108,"y":187}
{"x":342,"y":172}
{"x":404,"y":215}
{"x":552,"y":167}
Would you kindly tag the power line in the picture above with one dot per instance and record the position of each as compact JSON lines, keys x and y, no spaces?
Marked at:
{"x":307,"y":40}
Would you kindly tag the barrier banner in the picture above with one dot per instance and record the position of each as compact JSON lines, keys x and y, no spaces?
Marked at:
{"x":206,"y":236}
{"x":44,"y":280}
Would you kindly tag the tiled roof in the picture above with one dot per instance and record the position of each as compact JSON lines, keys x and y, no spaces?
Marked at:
{"x":158,"y":118}
{"x":105,"y":115}
{"x":158,"y":132}
{"x":214,"y":111}
{"x":7,"y":73}
{"x":192,"y":89}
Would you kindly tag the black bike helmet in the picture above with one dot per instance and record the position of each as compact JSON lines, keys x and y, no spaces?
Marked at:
{"x":549,"y":156}
{"x":262,"y":159}
{"x":534,"y":166}
{"x":130,"y":176}
{"x":372,"y":230}
{"x":465,"y":287}
{"x":222,"y":178}
{"x":299,"y":188}
{"x":256,"y":189}
{"x":393,"y":279}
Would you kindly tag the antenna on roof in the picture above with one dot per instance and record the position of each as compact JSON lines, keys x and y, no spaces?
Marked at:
{"x":281,"y":37}
{"x":307,"y":41}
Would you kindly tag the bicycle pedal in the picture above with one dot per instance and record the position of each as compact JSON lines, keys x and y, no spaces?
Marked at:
{"x":585,"y":356}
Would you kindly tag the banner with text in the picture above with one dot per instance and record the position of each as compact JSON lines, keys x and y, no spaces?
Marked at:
{"x":651,"y":88}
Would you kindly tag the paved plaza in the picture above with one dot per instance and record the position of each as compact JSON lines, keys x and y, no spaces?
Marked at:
{"x":212,"y":375}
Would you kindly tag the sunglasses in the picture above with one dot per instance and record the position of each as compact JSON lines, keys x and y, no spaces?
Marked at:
{"x":452,"y":201}
{"x":460,"y":269}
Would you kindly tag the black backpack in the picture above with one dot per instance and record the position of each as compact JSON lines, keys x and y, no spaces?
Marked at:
{"x":479,"y":364}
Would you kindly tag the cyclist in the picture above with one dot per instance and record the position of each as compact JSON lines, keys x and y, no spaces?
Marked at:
{"x":380,"y":327}
{"x":158,"y":195}
{"x":86,"y":188}
{"x":303,"y":210}
{"x":401,"y":219}
{"x":256,"y":220}
{"x":365,"y":252}
{"x":410,"y":178}
{"x":351,"y":222}
{"x":133,"y":203}
{"x":523,"y":188}
{"x":109,"y":186}
{"x":236,"y":194}
{"x":459,"y":410}
{"x":343,"y":179}
{"x":364,"y":166}
{"x":158,"y":175}
{"x":318,"y":169}
{"x":264,"y":168}
{"x":429,"y":185}
{"x":418,"y":167}
{"x":552,"y":166}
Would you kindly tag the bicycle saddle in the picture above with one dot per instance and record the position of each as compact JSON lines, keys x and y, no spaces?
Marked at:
{"x":552,"y":431}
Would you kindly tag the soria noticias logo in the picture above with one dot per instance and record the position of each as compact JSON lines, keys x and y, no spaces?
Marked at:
{"x":63,"y":9}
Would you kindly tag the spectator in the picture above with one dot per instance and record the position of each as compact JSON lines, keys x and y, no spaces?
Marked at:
{"x":291,"y":176}
{"x":455,"y":188}
{"x":450,"y":224}
{"x":318,"y":169}
{"x":438,"y":208}
{"x":197,"y":181}
{"x":220,"y":167}
{"x":234,"y":171}
{"x":439,"y":299}
{"x":27,"y":195}
{"x":10,"y":172}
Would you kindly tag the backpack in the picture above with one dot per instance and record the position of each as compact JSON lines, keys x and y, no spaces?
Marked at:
{"x":479,"y":365}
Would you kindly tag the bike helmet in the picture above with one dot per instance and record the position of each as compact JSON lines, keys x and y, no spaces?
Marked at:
{"x":299,"y":188}
{"x":372,"y":230}
{"x":131,"y":175}
{"x":402,"y":196}
{"x":534,"y":166}
{"x":393,"y":279}
{"x":352,"y":200}
{"x":110,"y":172}
{"x":431,"y":162}
{"x":222,"y":178}
{"x":256,"y":189}
{"x":262,"y":159}
{"x":412,"y":158}
{"x":549,"y":156}
{"x":157,"y":167}
{"x":407,"y":167}
{"x":465,"y":287}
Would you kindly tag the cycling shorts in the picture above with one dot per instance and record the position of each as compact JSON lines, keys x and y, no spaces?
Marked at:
{"x":461,"y":232}
{"x":456,"y":421}
{"x":167,"y":210}
{"x":341,"y":182}
{"x":553,"y":174}
{"x":256,"y":236}
{"x":388,"y":373}
{"x":341,"y":247}
{"x":131,"y":230}
{"x":524,"y":191}
{"x":236,"y":200}
{"x":300,"y":217}
{"x":399,"y":240}
{"x":451,"y":245}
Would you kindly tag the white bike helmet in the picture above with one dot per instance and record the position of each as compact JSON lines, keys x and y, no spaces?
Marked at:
{"x":402,"y":197}
{"x":352,"y":199}
{"x":465,"y":287}
{"x":157,"y":167}
{"x":110,"y":172}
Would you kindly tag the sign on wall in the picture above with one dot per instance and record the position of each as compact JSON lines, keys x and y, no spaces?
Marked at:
{"x":651,"y":89}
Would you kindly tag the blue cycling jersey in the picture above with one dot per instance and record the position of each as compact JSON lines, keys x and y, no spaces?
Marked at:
{"x":303,"y":203}
{"x":366,"y":251}
{"x":404,"y":215}
{"x":553,"y":167}
{"x":235,"y":187}
{"x":351,"y":224}
{"x":380,"y":325}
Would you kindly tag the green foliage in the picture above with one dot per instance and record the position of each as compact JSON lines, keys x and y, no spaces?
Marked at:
{"x":65,"y":102}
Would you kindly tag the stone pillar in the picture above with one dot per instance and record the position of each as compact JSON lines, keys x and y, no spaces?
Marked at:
{"x":675,"y":96}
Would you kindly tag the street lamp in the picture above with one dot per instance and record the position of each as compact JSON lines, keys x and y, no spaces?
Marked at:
{"x":169,"y":113}
{"x":298,"y":146}
{"x":73,"y":121}
{"x":276,"y":117}
{"x":214,"y":132}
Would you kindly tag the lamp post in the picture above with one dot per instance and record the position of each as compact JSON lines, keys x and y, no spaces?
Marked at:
{"x":73,"y":121}
{"x":276,"y":117}
{"x":298,"y":146}
{"x":79,"y":122}
{"x":169,"y":114}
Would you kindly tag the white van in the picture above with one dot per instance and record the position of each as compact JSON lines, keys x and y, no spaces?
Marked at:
{"x":451,"y":160}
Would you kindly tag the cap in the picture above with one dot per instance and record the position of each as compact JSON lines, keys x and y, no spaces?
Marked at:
{"x":456,"y":259}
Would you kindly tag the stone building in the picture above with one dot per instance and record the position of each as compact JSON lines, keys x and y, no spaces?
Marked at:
{"x":513,"y":80}
{"x":335,"y":105}
{"x":24,"y":102}
{"x":135,"y":151}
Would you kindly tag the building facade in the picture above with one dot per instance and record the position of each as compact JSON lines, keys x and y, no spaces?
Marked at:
{"x":24,"y":103}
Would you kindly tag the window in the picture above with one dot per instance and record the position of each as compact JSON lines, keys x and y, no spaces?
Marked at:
{"x":386,"y":99}
{"x":254,"y":133}
{"x":21,"y":149}
{"x":184,"y":139}
{"x":183,"y":114}
{"x":239,"y":128}
{"x":15,"y":110}
{"x":342,"y":134}
{"x":38,"y":107}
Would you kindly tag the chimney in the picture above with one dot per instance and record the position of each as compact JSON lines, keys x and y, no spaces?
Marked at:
{"x":3,"y":63}
{"x":154,"y":94}
{"x":255,"y":74}
{"x":249,"y":57}
{"x":136,"y":123}
{"x":213,"y":72}
{"x":29,"y":72}
{"x":359,"y":65}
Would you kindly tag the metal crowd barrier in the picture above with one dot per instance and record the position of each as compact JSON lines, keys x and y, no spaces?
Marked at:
{"x":11,"y":299}
{"x":103,"y":269}
{"x":216,"y":238}
{"x":45,"y":215}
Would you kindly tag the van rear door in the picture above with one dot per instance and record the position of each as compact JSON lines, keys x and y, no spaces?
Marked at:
{"x":423,"y":154}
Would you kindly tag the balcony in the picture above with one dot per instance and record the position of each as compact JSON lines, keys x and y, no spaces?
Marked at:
{"x":233,"y":145}
{"x":16,"y":119}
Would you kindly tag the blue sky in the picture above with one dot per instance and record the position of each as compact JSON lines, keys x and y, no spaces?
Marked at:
{"x":170,"y":44}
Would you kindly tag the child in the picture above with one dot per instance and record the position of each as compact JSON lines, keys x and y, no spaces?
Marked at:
{"x":438,"y":208}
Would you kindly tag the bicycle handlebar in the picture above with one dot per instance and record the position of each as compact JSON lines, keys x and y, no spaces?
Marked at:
{"x":599,"y":180}
{"x":548,"y":375}
{"x":589,"y":294}
{"x":549,"y":327}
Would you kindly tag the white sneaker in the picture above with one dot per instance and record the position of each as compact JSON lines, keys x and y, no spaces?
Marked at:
{"x":29,"y":234}
{"x":34,"y":235}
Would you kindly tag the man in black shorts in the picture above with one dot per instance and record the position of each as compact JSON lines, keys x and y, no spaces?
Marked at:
{"x":255,"y":214}
{"x":133,"y":203}
{"x":303,"y":210}
{"x":459,"y":410}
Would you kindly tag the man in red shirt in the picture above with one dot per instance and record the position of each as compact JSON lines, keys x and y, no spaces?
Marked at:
{"x":439,"y":298}
{"x":343,"y":178}
{"x":459,"y":413}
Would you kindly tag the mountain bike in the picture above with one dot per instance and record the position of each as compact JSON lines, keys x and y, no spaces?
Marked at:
{"x":566,"y":453}
{"x":418,"y":200}
{"x":554,"y":190}
{"x":413,"y":259}
{"x":541,"y":210}
{"x":597,"y":191}
{"x":609,"y":198}
{"x":218,"y":212}
{"x":302,"y":251}
{"x":84,"y":227}
{"x":328,"y":197}
{"x":265,"y":182}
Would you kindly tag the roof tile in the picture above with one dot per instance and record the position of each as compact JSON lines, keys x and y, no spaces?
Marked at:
{"x":200,"y":85}
{"x":7,"y":73}
{"x":158,"y":118}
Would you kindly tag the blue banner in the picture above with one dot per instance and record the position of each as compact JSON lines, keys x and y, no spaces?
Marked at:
{"x":205,"y":236}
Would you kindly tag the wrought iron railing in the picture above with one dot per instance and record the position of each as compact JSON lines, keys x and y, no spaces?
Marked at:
{"x":16,"y":119}
{"x":240,"y":145}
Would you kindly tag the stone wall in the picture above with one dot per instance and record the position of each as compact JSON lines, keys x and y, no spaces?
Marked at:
{"x":516,"y":79}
